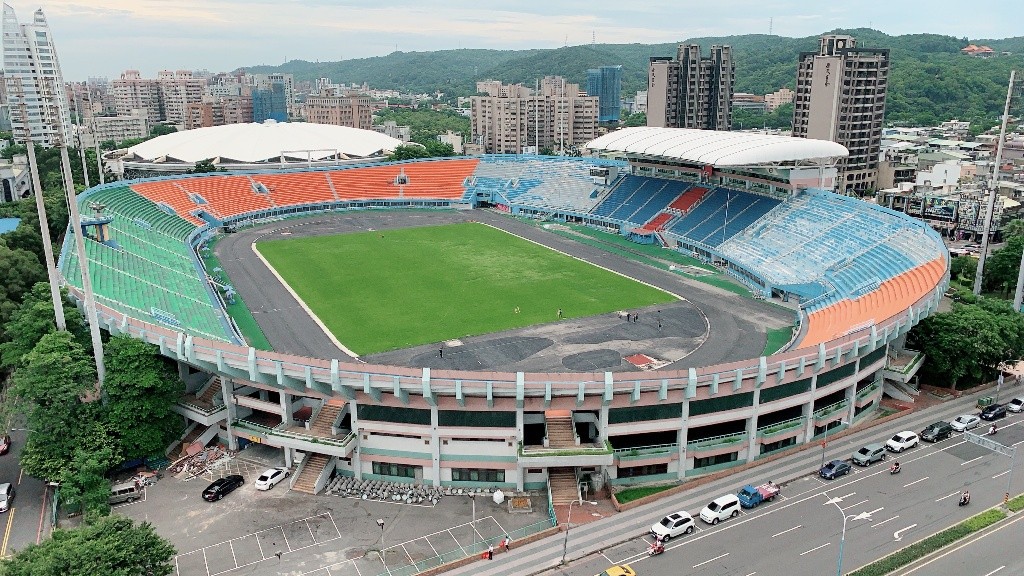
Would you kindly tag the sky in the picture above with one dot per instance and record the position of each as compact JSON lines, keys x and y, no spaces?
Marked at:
{"x":106,"y":37}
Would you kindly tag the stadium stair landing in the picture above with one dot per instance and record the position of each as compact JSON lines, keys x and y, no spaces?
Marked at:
{"x":560,"y":432}
{"x":324,"y":422}
{"x":314,"y":465}
{"x":563,"y":486}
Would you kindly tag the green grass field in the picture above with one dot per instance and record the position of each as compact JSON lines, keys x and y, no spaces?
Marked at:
{"x":402,"y":288}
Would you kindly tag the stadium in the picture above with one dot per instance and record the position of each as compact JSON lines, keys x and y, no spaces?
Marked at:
{"x":522,"y":322}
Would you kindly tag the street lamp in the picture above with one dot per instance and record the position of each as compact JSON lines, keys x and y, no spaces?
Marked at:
{"x":568,"y":524}
{"x":383,"y":549}
{"x":842,"y":539}
{"x":472,"y":498}
{"x":1004,"y":366}
{"x":824,"y":442}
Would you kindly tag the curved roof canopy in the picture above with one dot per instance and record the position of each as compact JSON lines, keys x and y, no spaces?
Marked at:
{"x":251,"y":143}
{"x":716,"y":147}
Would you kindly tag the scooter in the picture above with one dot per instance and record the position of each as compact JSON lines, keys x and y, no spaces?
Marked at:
{"x":655,"y":548}
{"x":964,"y":501}
{"x":894,"y":469}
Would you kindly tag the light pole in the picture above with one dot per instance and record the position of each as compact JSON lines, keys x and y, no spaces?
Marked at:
{"x":824,"y":442}
{"x":842,"y":539}
{"x":568,"y":524}
{"x":1004,"y":366}
{"x":383,"y":549}
{"x":472,"y":498}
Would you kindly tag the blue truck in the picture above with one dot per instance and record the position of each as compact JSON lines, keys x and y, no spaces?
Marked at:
{"x":750,"y":496}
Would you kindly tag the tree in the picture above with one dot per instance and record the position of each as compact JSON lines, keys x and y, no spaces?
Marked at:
{"x":109,"y":546}
{"x":85,"y":484}
{"x":33,"y":320}
{"x":21,"y":269}
{"x":436,"y":149}
{"x":56,"y":378}
{"x":963,"y":267}
{"x":140,"y":389}
{"x":1013,"y":228}
{"x":1003,"y":266}
{"x":161,"y":130}
{"x":635,"y":119}
{"x":204,"y":167}
{"x":408,"y":152}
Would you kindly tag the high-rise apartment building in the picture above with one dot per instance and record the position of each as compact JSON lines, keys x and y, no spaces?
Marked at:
{"x":341,"y":108}
{"x":218,"y":112}
{"x":512,"y":118}
{"x":269,"y":104}
{"x":268,"y":81}
{"x":691,"y":91}
{"x":36,"y":101}
{"x":606,"y":83}
{"x":133,"y":92}
{"x":840,"y":96}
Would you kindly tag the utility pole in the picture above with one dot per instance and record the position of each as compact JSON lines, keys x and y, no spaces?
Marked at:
{"x":993,"y":191}
{"x":44,"y":224}
{"x":81,"y":148}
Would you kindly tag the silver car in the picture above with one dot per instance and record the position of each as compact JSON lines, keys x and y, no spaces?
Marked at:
{"x":6,"y":496}
{"x":965,"y":422}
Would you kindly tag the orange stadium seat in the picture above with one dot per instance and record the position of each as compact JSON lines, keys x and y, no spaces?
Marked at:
{"x":227,"y":195}
{"x":688,"y":199}
{"x":436,"y":179}
{"x":297,"y":187}
{"x":168,"y":192}
{"x":658,"y":222}
{"x":891,"y":298}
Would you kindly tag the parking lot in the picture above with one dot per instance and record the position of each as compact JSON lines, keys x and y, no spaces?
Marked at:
{"x":283,"y":532}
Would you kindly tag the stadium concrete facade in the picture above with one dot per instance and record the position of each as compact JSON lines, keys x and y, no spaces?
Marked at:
{"x":863,"y":276}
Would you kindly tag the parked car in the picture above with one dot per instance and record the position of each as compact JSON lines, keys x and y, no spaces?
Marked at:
{"x":901,"y":441}
{"x":673,"y":525}
{"x":221,"y":487}
{"x":937,"y":431}
{"x":869,"y":455}
{"x":124,"y":492}
{"x":721,"y":508}
{"x":623,"y":570}
{"x":5,"y":444}
{"x":1015,"y":405}
{"x":994,"y":412}
{"x":270,"y":478}
{"x":965,"y":422}
{"x":6,"y":496}
{"x":834,"y":469}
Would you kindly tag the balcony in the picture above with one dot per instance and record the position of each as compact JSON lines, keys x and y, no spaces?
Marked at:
{"x":292,"y":438}
{"x":829,"y":413}
{"x":625,"y":456}
{"x":866,"y":394}
{"x":598,"y":454}
{"x":780,"y":430}
{"x":716,"y":445}
{"x":902,"y":367}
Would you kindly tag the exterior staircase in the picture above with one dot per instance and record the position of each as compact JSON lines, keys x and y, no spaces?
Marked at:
{"x":179,"y":450}
{"x":560,"y":432}
{"x":212,"y":395}
{"x":322,"y":425}
{"x":311,"y":470}
{"x":563,"y":486}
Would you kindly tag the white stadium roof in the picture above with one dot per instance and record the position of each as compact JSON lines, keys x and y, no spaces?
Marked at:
{"x":254,"y":143}
{"x":716,"y":147}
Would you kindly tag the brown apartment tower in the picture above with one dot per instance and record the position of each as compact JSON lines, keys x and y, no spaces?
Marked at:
{"x":840,"y":96}
{"x":691,"y":91}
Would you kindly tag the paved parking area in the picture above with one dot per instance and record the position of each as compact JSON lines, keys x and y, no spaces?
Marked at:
{"x":282,"y":532}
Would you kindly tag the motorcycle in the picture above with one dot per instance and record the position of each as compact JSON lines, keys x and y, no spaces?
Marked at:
{"x":655,"y":548}
{"x":894,"y":470}
{"x":964,"y":500}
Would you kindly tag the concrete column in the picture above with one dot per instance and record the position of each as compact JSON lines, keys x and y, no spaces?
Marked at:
{"x":520,"y":468}
{"x":227,"y":391}
{"x":289,"y":457}
{"x":353,"y":409}
{"x":286,"y":408}
{"x":808,"y":411}
{"x":851,"y":396}
{"x":752,"y":446}
{"x":435,"y":446}
{"x":681,"y":439}
{"x":182,"y":370}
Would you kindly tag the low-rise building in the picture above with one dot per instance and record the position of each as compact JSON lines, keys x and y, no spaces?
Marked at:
{"x":452,"y":138}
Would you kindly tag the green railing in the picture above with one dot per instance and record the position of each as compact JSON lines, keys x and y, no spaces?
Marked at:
{"x":867,"y":391}
{"x":341,"y":443}
{"x":626,"y":454}
{"x":207,"y":410}
{"x":716,"y":441}
{"x":539,"y":451}
{"x":780,"y":427}
{"x":910,"y":366}
{"x":829,"y":410}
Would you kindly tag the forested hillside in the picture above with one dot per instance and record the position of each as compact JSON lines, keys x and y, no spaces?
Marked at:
{"x":930,"y":80}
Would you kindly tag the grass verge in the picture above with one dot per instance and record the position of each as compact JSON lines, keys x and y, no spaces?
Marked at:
{"x":918,"y":550}
{"x":1016,"y":504}
{"x":777,"y":338}
{"x":381,"y":291}
{"x":238,"y":311}
{"x":630,"y":494}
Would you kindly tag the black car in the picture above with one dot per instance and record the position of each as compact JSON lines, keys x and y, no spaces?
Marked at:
{"x":938,"y":431}
{"x":222,"y":487}
{"x":994,"y":412}
{"x":834,"y":469}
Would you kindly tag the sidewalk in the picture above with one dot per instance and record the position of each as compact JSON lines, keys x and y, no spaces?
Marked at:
{"x":602,"y":533}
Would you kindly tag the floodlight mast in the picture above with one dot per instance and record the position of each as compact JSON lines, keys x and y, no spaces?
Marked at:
{"x":992,"y":193}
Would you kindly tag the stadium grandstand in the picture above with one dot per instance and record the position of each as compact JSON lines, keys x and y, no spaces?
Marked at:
{"x":855,"y":276}
{"x":255,"y":146}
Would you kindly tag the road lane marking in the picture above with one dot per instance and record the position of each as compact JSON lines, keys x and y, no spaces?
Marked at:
{"x":994,"y":571}
{"x":971,"y":460}
{"x":712,"y":560}
{"x":847,"y":496}
{"x":813,"y":549}
{"x":752,"y":574}
{"x":972,"y":540}
{"x":21,"y":473}
{"x":877,"y":510}
{"x":857,"y":504}
{"x":1001,"y":473}
{"x":957,"y":493}
{"x":7,"y":533}
{"x":898,"y":535}
{"x":790,"y":530}
{"x":916,"y":481}
{"x":884,"y":521}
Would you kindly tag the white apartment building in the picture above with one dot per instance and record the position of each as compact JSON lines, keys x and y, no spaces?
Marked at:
{"x":34,"y":85}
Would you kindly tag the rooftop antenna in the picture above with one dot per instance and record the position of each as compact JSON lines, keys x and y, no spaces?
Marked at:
{"x":566,"y":40}
{"x":593,"y":38}
{"x":771,"y":25}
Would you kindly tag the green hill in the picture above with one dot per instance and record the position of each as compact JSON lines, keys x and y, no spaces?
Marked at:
{"x":930,"y":80}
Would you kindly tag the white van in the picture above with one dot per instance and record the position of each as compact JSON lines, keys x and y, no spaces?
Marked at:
{"x":721,"y":508}
{"x":126,"y":492}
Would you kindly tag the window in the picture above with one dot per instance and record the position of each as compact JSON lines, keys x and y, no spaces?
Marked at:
{"x":399,"y":470}
{"x":713,"y":460}
{"x":477,"y":475}
{"x":634,"y":471}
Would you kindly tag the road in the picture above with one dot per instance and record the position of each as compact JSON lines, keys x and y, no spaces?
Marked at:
{"x":800,"y":533}
{"x":988,"y":553}
{"x":24,"y":523}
